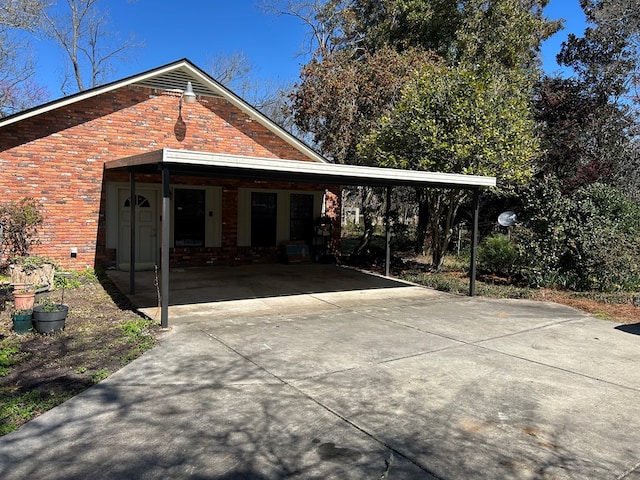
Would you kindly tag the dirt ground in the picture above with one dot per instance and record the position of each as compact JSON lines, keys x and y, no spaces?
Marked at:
{"x":93,"y":344}
{"x":616,"y":312}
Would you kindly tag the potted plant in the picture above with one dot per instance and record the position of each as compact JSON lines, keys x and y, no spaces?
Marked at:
{"x":32,"y":270}
{"x":49,"y":317}
{"x":22,"y":320}
{"x":24,"y":296}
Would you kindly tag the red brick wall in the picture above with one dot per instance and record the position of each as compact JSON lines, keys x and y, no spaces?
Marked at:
{"x":57,"y":158}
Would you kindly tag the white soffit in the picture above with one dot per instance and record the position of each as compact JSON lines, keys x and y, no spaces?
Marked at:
{"x":339,"y":172}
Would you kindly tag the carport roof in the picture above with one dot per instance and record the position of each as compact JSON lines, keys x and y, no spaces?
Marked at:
{"x":206,"y":163}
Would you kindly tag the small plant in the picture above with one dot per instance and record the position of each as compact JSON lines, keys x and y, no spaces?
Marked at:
{"x":17,"y":409}
{"x":99,"y":375}
{"x":136,"y":333}
{"x":8,"y":356}
{"x":29,"y":263}
{"x":48,"y":305}
{"x":69,"y":281}
{"x":497,"y":255}
{"x":24,"y":289}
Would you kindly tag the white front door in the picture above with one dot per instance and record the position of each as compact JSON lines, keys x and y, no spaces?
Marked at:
{"x":146,"y":233}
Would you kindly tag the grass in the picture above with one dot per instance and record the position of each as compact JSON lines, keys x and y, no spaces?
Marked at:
{"x":19,"y":409}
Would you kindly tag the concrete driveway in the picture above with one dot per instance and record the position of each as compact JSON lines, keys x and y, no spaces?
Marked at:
{"x":398,"y":381}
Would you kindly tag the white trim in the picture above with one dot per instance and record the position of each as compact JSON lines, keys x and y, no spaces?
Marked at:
{"x":352,"y":172}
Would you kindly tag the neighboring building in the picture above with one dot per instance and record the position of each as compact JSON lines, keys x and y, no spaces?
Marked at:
{"x":67,"y":154}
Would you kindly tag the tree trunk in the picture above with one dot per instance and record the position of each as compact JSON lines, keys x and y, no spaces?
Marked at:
{"x":423,"y":221}
{"x":444,"y":206}
{"x":368,"y":211}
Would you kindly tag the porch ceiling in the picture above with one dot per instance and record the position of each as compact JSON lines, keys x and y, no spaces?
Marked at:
{"x":211,"y":164}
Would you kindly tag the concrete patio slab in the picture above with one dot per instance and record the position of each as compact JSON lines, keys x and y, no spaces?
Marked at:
{"x":387,"y":380}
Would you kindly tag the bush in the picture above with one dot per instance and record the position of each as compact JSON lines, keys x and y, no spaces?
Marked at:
{"x":497,"y":255}
{"x":20,"y":222}
{"x":587,"y":241}
{"x":603,"y":246}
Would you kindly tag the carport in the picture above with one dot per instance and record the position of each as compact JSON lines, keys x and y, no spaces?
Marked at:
{"x":184,"y":162}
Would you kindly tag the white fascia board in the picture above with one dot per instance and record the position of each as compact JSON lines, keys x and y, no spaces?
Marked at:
{"x":78,"y":97}
{"x":187,"y":157}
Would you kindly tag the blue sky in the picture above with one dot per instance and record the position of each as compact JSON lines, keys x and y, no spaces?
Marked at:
{"x":200,"y":30}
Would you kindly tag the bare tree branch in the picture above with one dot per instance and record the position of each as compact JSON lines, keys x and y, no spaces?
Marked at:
{"x":80,"y":30}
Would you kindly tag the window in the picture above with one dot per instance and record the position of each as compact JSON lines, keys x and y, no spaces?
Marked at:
{"x":301,"y":219}
{"x":141,"y":202}
{"x":263,"y":219}
{"x":189,"y":217}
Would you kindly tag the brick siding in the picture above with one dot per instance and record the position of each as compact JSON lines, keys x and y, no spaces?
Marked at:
{"x":57,"y":158}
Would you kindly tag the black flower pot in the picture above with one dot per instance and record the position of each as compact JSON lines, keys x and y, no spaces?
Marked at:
{"x":45,"y":321}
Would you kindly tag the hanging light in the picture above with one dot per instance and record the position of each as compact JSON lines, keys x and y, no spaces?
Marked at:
{"x":188,"y":95}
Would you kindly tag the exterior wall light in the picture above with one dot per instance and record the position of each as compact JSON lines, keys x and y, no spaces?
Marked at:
{"x":188,"y":95}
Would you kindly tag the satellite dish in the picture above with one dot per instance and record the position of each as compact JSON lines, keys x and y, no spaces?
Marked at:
{"x":507,"y":219}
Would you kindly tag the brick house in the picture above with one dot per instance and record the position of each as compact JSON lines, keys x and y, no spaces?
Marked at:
{"x":57,"y":153}
{"x":170,"y":168}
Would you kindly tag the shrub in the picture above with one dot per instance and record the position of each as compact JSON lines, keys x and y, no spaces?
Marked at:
{"x":20,"y":222}
{"x":587,"y":241}
{"x":497,"y":255}
{"x":603,"y":246}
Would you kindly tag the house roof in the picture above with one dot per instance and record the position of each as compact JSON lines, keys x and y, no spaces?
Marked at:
{"x":173,"y":77}
{"x":204,"y":163}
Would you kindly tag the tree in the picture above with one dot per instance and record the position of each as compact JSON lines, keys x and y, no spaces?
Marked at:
{"x":377,"y":46}
{"x":271,"y":97}
{"x":79,"y":28}
{"x":338,"y":100}
{"x":456,"y":119}
{"x":606,"y":55}
{"x":585,"y":137}
{"x":606,"y":62}
{"x":327,"y":22}
{"x":502,"y":33}
{"x":17,"y":90}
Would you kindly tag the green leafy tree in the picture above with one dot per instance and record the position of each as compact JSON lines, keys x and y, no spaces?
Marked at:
{"x":375,"y":47}
{"x":457,"y":120}
{"x":503,"y":33}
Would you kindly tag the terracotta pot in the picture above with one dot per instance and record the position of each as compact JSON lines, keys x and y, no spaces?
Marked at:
{"x":24,"y":301}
